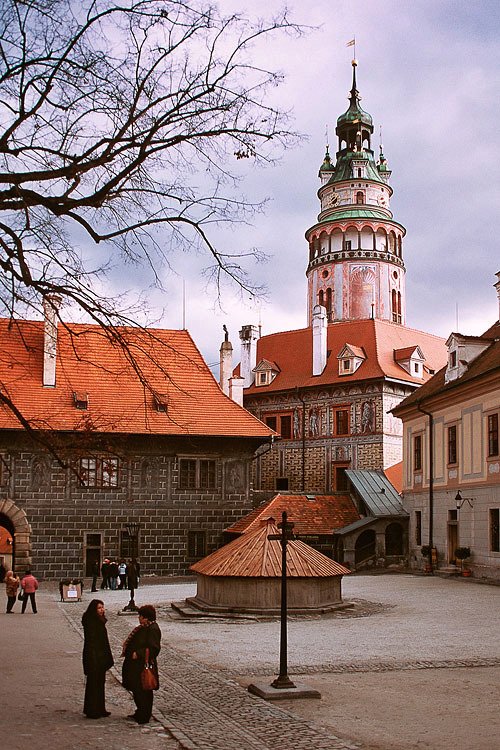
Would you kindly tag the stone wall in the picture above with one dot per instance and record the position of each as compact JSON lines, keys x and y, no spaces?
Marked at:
{"x":65,"y":520}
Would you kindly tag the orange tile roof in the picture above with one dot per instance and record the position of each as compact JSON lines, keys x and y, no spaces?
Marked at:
{"x":310,"y":514}
{"x":119,"y":391}
{"x":254,"y":555}
{"x":395,"y":476}
{"x":292,"y":352}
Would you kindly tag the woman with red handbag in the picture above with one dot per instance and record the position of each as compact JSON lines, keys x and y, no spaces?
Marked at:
{"x":140,"y":669}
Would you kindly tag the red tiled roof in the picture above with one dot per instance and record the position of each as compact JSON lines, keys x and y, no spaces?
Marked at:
{"x":119,"y":391}
{"x":255,"y":555}
{"x":292,"y":352}
{"x":485,"y":363}
{"x":395,"y":476}
{"x":310,"y":514}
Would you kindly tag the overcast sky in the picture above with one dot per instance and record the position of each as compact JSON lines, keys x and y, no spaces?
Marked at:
{"x":429,"y":73}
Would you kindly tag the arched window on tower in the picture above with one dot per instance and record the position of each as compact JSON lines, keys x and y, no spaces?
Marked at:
{"x":329,"y":304}
{"x":321,"y":298}
{"x":394,"y":306}
{"x":400,"y":247}
{"x":399,"y":307}
{"x":392,"y":242}
{"x":359,"y":172}
{"x":360,"y":198}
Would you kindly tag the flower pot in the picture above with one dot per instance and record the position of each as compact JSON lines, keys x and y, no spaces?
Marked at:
{"x":466,"y":573}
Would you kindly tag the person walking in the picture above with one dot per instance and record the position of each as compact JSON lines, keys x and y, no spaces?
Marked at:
{"x":145,"y":637}
{"x":97,"y":659}
{"x":11,"y":586}
{"x":29,"y":585}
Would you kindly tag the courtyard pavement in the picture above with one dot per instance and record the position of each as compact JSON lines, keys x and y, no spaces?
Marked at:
{"x":415,"y":663}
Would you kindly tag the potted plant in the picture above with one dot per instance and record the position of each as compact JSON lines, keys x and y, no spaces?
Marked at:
{"x":463,"y":553}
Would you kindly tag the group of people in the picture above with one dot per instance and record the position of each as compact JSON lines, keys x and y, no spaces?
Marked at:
{"x":27,"y":587}
{"x":116,"y":575}
{"x":140,"y":650}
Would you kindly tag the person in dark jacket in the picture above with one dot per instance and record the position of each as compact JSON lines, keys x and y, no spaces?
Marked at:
{"x":97,"y":659}
{"x":146,"y":636}
{"x":105,"y":574}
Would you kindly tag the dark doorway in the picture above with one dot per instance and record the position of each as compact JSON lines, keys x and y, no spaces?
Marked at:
{"x":365,"y":546}
{"x":92,"y":553}
{"x":394,"y":540}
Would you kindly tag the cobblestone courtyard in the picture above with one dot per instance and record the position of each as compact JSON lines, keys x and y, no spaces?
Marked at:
{"x":414,"y":664}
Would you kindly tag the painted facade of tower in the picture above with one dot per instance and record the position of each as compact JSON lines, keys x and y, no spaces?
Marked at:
{"x":356,"y":269}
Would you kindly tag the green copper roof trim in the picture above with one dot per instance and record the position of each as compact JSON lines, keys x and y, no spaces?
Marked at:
{"x":357,"y":213}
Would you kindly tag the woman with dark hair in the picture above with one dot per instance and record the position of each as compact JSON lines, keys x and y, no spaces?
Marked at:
{"x":145,"y":637}
{"x":97,"y":659}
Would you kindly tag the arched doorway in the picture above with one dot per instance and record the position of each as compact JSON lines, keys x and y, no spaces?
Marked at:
{"x":394,"y":545}
{"x":365,"y":547}
{"x":6,"y":545}
{"x":15,"y":523}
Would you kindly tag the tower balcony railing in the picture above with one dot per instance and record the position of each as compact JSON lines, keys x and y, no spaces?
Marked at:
{"x":354,"y":254}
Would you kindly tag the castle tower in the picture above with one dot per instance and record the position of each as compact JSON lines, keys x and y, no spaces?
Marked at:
{"x":356,"y":268}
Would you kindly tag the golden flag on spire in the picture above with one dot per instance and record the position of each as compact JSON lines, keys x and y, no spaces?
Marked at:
{"x":351,"y":43}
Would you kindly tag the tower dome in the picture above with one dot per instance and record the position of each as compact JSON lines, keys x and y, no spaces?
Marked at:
{"x":356,"y":267}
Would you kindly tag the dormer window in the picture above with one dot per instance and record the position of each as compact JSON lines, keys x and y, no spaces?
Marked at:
{"x":160,"y":404}
{"x":411,"y":359}
{"x":350,"y":359}
{"x":81,"y":400}
{"x":462,"y":351}
{"x":265,"y":372}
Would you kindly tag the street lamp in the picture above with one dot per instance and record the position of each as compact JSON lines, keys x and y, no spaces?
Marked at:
{"x":459,"y":500}
{"x":133,"y":534}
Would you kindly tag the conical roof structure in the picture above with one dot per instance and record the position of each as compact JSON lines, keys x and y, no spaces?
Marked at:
{"x":254,"y":555}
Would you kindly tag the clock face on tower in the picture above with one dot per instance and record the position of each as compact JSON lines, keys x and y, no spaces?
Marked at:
{"x":333,"y":199}
{"x":382,"y":200}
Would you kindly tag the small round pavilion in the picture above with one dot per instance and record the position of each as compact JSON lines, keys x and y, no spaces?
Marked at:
{"x":244,"y":576}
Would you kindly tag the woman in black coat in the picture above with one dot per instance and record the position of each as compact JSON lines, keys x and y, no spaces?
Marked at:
{"x":147,"y":635}
{"x":97,"y":659}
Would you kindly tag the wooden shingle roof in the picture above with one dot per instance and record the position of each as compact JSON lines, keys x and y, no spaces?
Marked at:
{"x":122,"y":389}
{"x":255,"y":555}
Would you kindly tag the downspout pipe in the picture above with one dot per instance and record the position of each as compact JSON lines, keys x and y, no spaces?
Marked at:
{"x":431,"y":481}
{"x":302,"y":400}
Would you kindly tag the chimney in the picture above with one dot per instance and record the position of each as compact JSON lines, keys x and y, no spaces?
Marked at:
{"x":236,"y":386}
{"x":225,"y":363}
{"x":51,"y":303}
{"x":319,"y":331}
{"x":249,"y":336}
{"x":497,"y":287}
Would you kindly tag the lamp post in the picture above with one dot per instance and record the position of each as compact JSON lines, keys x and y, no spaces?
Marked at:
{"x":133,"y":533}
{"x":283,"y":680}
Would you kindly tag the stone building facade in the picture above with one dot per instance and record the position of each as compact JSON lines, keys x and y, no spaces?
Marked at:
{"x":167,"y":451}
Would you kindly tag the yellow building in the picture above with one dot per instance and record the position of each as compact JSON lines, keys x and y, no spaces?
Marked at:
{"x":451,"y":476}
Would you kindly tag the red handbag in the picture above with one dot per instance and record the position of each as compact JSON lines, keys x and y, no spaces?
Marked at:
{"x":149,"y":678}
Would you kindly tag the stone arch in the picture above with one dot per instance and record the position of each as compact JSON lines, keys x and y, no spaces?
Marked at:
{"x":21,"y":531}
{"x":362,"y":292}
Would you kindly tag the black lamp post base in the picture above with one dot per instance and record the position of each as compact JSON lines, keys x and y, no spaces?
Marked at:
{"x":283,"y":682}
